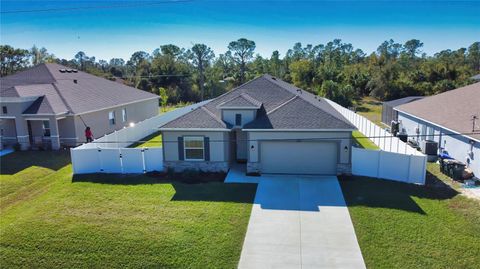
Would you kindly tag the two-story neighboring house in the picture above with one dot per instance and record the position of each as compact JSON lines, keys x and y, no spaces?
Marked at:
{"x":270,"y":125}
{"x":50,"y":105}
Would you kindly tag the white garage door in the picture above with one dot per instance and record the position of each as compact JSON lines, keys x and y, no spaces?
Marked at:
{"x":280,"y":157}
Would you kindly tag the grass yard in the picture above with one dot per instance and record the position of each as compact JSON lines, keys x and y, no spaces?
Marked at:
{"x":155,"y":140}
{"x":49,"y":220}
{"x":151,"y":141}
{"x":370,"y":108}
{"x":363,"y":141}
{"x":402,"y":225}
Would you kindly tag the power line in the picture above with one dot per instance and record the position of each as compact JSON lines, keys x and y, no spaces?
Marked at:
{"x":136,"y":4}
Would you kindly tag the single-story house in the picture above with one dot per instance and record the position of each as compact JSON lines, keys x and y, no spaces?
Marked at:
{"x":266,"y":123}
{"x":51,"y":105}
{"x":452,"y":119}
{"x":389,"y":114}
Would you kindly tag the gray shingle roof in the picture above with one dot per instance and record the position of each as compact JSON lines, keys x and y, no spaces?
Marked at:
{"x":89,"y":93}
{"x":243,"y":100}
{"x":197,"y":118}
{"x":452,"y":109}
{"x":297,"y":114}
{"x":283,"y":106}
{"x":401,"y":101}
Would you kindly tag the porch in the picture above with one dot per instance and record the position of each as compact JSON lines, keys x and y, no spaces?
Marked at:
{"x":31,"y":132}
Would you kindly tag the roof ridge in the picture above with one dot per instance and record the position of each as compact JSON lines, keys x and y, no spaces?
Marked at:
{"x":302,"y":96}
{"x":249,"y":98}
{"x":213,"y":116}
{"x":282,"y":104}
{"x":62,"y":98}
{"x":44,"y":65}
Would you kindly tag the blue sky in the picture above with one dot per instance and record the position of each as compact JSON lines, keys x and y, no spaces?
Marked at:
{"x":273,"y":25}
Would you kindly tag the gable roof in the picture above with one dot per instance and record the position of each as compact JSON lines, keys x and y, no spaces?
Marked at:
{"x":67,"y":90}
{"x":282,"y":106}
{"x":401,"y":101}
{"x":452,"y":109}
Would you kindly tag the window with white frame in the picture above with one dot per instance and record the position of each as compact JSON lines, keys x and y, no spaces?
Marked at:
{"x":124,"y":114}
{"x":194,"y":148}
{"x":111,"y":117}
{"x":46,"y":128}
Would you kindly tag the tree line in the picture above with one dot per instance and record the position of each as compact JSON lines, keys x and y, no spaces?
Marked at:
{"x":335,"y":70}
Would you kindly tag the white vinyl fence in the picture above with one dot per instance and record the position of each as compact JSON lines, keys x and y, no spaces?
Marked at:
{"x":109,"y":154}
{"x":129,"y":135}
{"x":389,"y":165}
{"x":383,"y":139}
{"x":395,"y":160}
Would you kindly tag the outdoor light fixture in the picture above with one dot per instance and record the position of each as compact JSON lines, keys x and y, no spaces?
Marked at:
{"x":132,"y":124}
{"x":345,"y":148}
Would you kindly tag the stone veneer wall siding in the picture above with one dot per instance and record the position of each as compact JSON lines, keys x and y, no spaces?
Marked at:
{"x":205,"y":166}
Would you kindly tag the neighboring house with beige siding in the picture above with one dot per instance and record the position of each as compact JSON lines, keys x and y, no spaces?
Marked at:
{"x":49,"y":105}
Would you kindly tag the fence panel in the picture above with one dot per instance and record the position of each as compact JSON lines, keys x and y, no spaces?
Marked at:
{"x":365,"y":162}
{"x":153,"y":159}
{"x":418,"y":166}
{"x":388,"y":165}
{"x":132,"y":160}
{"x":394,"y":166}
{"x":110,"y":160}
{"x":85,"y":161}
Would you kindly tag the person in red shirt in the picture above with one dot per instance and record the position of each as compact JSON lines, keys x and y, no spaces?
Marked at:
{"x":88,"y":135}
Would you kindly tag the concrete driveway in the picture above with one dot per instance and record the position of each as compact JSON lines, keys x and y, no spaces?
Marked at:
{"x":299,"y":222}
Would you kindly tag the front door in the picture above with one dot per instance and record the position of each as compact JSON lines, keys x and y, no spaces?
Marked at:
{"x":241,"y":146}
{"x":30,"y":133}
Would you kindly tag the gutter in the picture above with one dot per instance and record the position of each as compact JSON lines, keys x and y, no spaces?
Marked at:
{"x":439,"y":126}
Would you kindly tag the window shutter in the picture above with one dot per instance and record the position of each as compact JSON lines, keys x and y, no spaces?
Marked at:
{"x":206,"y":145}
{"x":180,"y":149}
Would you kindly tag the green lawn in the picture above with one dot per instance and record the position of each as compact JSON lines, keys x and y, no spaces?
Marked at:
{"x":363,"y":141}
{"x":151,"y":141}
{"x":371,"y":109}
{"x":155,"y":140}
{"x":401,"y":225}
{"x":50,"y":220}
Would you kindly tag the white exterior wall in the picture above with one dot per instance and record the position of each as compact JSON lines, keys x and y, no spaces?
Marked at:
{"x":344,"y":157}
{"x":457,"y":146}
{"x":219,"y":150}
{"x":248,"y":115}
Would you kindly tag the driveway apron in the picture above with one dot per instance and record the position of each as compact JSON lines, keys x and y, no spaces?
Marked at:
{"x":300,"y":222}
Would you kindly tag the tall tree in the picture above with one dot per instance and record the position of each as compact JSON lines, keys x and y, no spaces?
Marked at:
{"x":81,"y":58}
{"x":242,"y":52}
{"x":201,"y":55}
{"x":412,"y":47}
{"x":40,"y":55}
{"x":12,"y":59}
{"x":474,"y":56}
